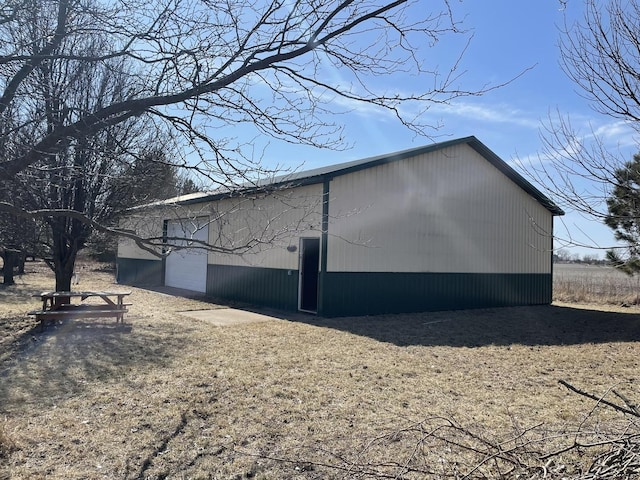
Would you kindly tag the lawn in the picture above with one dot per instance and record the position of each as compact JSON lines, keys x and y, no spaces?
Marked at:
{"x":300,"y":397}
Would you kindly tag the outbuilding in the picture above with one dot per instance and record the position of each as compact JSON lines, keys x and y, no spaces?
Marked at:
{"x":445,"y":226}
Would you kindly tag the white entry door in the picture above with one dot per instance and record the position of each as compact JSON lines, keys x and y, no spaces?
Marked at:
{"x":187,"y":268}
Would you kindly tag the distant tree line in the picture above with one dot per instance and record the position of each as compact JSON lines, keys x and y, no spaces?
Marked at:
{"x":564,"y":256}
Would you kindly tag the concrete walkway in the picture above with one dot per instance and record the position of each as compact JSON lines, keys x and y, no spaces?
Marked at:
{"x":222,"y":317}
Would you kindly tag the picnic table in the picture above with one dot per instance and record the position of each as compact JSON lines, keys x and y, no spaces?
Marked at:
{"x":59,"y":305}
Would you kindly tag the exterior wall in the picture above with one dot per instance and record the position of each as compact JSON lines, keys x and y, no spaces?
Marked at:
{"x":144,"y":224}
{"x":266,"y":275}
{"x":444,"y":230}
{"x":448,"y":211}
{"x":137,"y":266}
{"x":374,"y":293}
{"x":277,"y":220}
{"x":140,"y":272}
{"x":134,"y":265}
{"x":149,"y":223}
{"x":267,"y":287}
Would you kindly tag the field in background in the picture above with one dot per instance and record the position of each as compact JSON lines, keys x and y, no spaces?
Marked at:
{"x":594,"y":284}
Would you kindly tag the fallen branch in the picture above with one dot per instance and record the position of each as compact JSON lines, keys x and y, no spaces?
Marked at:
{"x":601,"y":400}
{"x":441,"y":448}
{"x":633,"y":406}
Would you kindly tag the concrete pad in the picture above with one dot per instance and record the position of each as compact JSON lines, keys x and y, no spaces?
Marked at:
{"x":222,"y":317}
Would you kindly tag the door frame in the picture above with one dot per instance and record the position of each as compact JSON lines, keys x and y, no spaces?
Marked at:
{"x":306,"y":284}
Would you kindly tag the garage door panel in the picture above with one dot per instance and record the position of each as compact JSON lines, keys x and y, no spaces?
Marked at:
{"x":187,"y":268}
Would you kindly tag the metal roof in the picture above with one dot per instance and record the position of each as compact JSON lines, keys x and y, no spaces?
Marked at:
{"x":323,"y":174}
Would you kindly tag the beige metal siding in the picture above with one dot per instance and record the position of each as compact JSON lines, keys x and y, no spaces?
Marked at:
{"x":148,"y":223}
{"x":271,"y":222}
{"x":277,"y":221}
{"x":444,"y":211}
{"x":144,"y":225}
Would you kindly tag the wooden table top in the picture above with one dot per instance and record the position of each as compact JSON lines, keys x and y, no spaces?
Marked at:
{"x":81,"y":294}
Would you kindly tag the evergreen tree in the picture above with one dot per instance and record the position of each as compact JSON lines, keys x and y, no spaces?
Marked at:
{"x":624,"y":216}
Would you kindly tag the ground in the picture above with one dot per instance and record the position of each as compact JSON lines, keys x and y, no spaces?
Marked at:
{"x":167,"y":395}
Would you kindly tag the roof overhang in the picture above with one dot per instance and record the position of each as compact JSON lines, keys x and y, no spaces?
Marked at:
{"x":327,"y":173}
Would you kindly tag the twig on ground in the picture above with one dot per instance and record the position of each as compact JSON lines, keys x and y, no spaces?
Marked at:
{"x":600,"y":399}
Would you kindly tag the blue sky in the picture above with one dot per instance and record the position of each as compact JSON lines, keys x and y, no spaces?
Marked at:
{"x":508,"y":38}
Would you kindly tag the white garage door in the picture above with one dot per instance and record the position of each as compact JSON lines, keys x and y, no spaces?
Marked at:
{"x":187,"y":268}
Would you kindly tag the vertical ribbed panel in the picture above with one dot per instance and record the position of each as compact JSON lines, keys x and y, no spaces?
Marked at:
{"x":373,"y":293}
{"x":444,"y":211}
{"x":145,"y":225}
{"x":268,"y":287}
{"x":140,"y":272}
{"x":277,"y":220}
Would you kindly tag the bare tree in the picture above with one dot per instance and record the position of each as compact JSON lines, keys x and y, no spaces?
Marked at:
{"x":77,"y":176}
{"x":20,"y":236}
{"x":186,"y":69}
{"x":226,"y":63}
{"x":601,"y":55}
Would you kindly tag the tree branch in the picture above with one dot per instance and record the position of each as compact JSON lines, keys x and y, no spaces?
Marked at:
{"x":599,"y":399}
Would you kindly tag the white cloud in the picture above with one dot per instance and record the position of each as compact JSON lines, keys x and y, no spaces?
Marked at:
{"x":499,"y":113}
{"x":620,"y":133}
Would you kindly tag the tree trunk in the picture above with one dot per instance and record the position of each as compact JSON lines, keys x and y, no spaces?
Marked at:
{"x":64,"y":259}
{"x":63,"y":277}
{"x":10,"y":257}
{"x":22,"y":258}
{"x":64,"y":273}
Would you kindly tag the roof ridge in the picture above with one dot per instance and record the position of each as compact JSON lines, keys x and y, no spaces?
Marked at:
{"x":321,"y":174}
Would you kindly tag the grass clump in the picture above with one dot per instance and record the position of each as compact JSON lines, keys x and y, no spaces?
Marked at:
{"x":6,"y":444}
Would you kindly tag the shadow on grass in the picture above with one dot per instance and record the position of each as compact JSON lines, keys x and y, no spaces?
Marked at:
{"x":60,"y":362}
{"x":19,"y":294}
{"x":534,"y":326}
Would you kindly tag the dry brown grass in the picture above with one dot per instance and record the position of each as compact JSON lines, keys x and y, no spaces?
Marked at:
{"x":6,"y":444}
{"x":590,"y":284}
{"x":165,"y":396}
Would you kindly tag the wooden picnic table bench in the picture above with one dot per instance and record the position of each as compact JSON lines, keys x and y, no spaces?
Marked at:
{"x":58,"y":306}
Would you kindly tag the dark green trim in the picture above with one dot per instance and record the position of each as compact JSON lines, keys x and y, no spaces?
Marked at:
{"x":324,"y":242}
{"x":165,"y":229}
{"x":357,"y":293}
{"x":266,"y":287}
{"x":134,"y":271}
{"x":551,"y":252}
